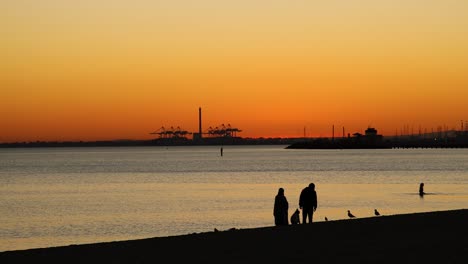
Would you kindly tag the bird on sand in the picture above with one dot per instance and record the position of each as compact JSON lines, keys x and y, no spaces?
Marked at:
{"x":326,"y":219}
{"x":376,"y":212}
{"x":350,"y":215}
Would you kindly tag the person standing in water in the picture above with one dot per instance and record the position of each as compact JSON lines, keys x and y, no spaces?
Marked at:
{"x":280,"y":208}
{"x":421,"y":189}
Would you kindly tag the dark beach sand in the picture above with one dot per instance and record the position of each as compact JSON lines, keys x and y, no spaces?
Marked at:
{"x":434,"y":237}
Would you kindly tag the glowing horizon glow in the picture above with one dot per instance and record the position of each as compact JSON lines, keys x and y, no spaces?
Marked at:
{"x":103,"y":70}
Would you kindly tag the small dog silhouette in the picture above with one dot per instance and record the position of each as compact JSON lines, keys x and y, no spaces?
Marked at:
{"x":295,"y":218}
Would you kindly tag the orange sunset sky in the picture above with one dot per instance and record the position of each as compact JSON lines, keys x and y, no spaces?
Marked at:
{"x":116,"y":69}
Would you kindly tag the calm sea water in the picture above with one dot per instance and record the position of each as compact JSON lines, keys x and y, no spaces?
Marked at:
{"x":62,"y":196}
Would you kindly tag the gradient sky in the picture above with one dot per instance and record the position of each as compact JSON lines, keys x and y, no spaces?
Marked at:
{"x":116,"y":69}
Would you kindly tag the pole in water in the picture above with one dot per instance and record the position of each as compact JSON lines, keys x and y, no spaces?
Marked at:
{"x":221,"y":151}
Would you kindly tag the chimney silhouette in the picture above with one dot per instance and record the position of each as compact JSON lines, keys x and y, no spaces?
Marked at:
{"x":199,"y":122}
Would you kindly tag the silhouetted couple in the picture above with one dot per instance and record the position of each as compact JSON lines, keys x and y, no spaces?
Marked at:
{"x":308,"y":203}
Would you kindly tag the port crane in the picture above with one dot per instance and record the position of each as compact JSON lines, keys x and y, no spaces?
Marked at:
{"x":171,"y":132}
{"x":223,"y":131}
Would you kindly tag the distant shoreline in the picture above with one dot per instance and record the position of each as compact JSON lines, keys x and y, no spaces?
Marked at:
{"x":360,"y":142}
{"x":291,"y":144}
{"x":136,"y":143}
{"x":431,"y":237}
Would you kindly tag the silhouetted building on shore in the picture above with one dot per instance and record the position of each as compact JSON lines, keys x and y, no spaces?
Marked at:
{"x":372,"y":140}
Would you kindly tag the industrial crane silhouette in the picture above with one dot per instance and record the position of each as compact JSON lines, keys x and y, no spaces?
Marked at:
{"x":171,"y":133}
{"x":223,"y":131}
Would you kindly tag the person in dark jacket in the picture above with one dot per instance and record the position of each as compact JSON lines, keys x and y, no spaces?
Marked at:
{"x":280,"y":210}
{"x":421,"y":189}
{"x":308,"y":203}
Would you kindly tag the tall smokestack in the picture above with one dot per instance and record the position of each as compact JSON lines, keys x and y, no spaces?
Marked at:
{"x":199,"y":122}
{"x":333,"y":132}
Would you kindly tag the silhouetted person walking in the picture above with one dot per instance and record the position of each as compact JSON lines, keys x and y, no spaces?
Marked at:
{"x":308,"y":203}
{"x":280,"y":209}
{"x":421,"y":189}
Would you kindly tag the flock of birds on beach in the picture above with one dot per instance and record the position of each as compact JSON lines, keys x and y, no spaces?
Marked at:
{"x":350,"y":215}
{"x":376,"y":213}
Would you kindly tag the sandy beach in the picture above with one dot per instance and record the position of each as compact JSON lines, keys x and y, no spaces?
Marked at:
{"x":432,"y":237}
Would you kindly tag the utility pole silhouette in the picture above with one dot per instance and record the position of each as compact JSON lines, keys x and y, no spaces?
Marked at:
{"x":333,"y":132}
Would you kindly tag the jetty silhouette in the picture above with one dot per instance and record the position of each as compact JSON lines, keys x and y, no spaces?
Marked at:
{"x":372,"y":140}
